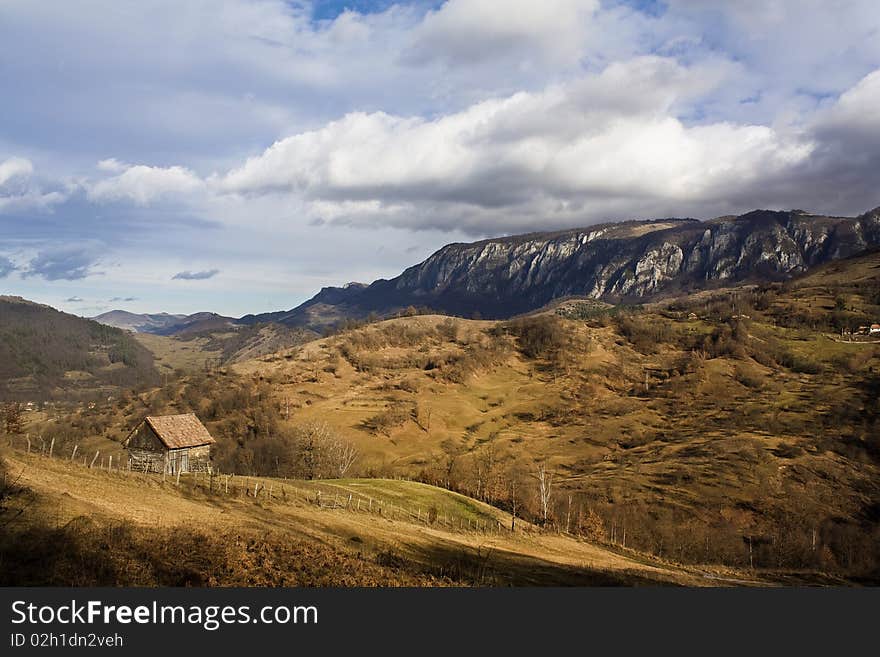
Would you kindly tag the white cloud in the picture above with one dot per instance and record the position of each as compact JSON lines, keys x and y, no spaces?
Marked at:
{"x":611,"y":136}
{"x":143,"y":184}
{"x":112,"y":165}
{"x":857,"y":112}
{"x":479,"y":117}
{"x":19,"y":191}
{"x":468,"y":31}
{"x":15,"y":168}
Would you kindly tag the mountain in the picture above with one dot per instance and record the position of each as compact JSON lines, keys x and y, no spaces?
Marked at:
{"x":164,"y":323}
{"x":137,"y":323}
{"x":46,"y":353}
{"x":627,"y":262}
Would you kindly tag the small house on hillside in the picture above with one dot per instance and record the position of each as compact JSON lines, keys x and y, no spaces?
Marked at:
{"x":170,"y":444}
{"x":875,"y":329}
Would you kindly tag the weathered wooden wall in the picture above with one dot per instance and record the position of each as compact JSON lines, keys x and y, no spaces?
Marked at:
{"x":146,"y":453}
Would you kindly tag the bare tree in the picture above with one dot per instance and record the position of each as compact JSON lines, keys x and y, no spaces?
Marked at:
{"x":342,"y":455}
{"x":486,"y":471}
{"x":512,"y":504}
{"x":545,"y":490}
{"x":422,"y":416}
{"x":591,"y":526}
{"x":322,"y":452}
{"x":449,"y":466}
{"x":568,"y":515}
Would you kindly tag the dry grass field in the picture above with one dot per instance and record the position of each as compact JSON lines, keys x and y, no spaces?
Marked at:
{"x":91,"y":526}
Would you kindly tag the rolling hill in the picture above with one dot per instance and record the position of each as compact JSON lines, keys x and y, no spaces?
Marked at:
{"x":736,"y":428}
{"x":737,"y":425}
{"x":66,"y":524}
{"x":46,"y":354}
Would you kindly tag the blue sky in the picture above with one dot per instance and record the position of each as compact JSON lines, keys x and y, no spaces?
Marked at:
{"x":238,"y":155}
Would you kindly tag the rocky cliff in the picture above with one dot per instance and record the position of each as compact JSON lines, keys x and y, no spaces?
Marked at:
{"x":622,"y":262}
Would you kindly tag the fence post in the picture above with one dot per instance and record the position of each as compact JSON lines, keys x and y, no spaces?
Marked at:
{"x":110,"y":462}
{"x":73,"y":456}
{"x":177,"y":483}
{"x":28,"y":439}
{"x":51,"y":446}
{"x":92,"y":464}
{"x":227,"y":484}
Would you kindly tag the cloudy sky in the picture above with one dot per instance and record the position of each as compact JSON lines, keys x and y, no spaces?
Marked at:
{"x":237,"y":155}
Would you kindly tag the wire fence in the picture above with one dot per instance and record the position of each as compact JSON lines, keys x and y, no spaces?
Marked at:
{"x":267,"y":491}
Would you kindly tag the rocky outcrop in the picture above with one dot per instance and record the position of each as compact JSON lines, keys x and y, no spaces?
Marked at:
{"x":624,"y":262}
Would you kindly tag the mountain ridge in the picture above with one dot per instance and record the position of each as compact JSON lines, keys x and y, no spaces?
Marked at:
{"x":624,"y":262}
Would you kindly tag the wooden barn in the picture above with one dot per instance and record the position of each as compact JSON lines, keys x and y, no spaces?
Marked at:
{"x":171,"y":444}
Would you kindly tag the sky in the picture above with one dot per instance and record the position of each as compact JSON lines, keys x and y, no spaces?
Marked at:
{"x":238,"y":155}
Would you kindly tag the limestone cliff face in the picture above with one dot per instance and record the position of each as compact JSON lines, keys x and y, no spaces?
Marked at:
{"x":625,"y":262}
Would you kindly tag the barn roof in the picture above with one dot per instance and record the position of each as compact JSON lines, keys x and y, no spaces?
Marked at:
{"x":178,"y":431}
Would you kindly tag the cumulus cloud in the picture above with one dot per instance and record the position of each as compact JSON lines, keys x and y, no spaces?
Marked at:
{"x":67,"y":263}
{"x":15,"y":168}
{"x":112,"y":165}
{"x":571,"y":147}
{"x":195,"y":275}
{"x":126,"y":299}
{"x":6,"y":266}
{"x":74,"y":300}
{"x":143,"y":184}
{"x":468,"y":116}
{"x":19,"y":191}
{"x":855,"y":117}
{"x":468,"y":31}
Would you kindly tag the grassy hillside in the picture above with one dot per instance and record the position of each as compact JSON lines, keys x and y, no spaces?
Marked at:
{"x":66,"y":524}
{"x":737,"y":428}
{"x":45,"y":354}
{"x":702,"y":428}
{"x":193,"y":351}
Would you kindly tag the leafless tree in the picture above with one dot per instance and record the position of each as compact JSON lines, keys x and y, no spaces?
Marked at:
{"x":341,"y":455}
{"x":449,"y":469}
{"x":322,"y":452}
{"x":512,"y":504}
{"x":486,"y":470}
{"x":545,"y":490}
{"x":422,"y":417}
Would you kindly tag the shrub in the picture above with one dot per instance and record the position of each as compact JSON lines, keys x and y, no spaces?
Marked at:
{"x":543,"y":336}
{"x":394,"y":416}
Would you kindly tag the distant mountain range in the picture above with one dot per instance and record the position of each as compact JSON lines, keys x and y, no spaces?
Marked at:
{"x":164,"y":323}
{"x":628,"y":262}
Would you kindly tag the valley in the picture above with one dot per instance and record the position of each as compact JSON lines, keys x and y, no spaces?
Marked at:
{"x":726,"y":436}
